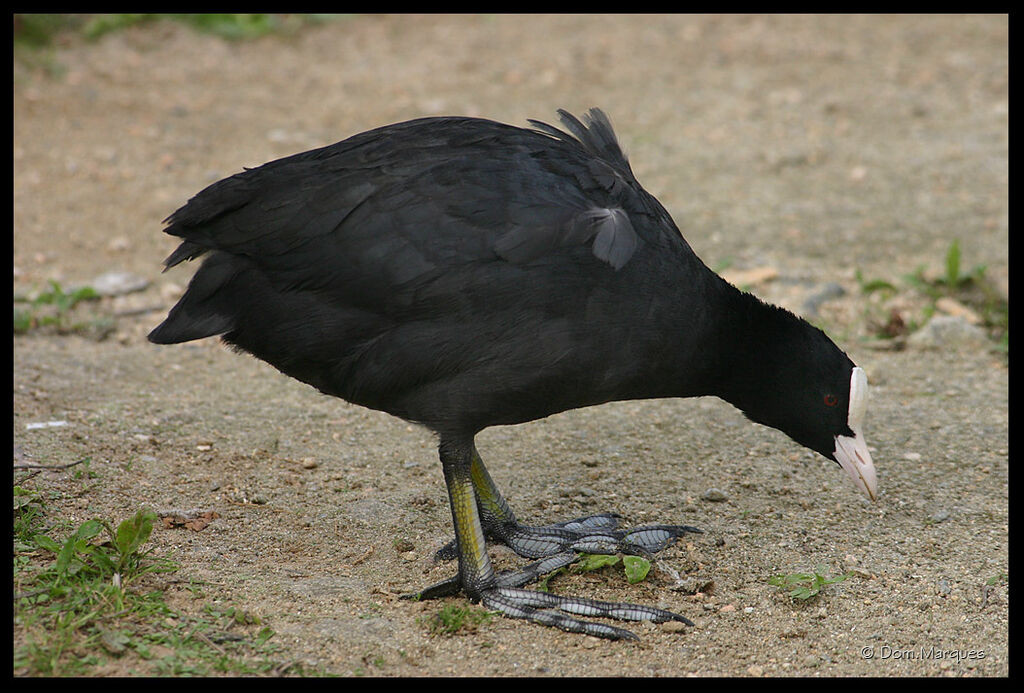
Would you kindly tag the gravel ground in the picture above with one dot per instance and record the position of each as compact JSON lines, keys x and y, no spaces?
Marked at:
{"x":796,"y":151}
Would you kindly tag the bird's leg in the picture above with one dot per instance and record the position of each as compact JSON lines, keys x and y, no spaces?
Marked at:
{"x":592,"y":534}
{"x":475,"y":571}
{"x":502,"y":593}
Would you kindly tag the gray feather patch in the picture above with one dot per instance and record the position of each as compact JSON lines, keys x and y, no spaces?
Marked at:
{"x":615,"y":239}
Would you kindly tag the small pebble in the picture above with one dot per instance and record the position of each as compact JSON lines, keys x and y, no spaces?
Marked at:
{"x":714,"y":495}
{"x":693,"y":585}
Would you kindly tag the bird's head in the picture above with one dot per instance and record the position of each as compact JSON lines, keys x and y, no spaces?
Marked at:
{"x":829,"y":419}
{"x":802,"y":384}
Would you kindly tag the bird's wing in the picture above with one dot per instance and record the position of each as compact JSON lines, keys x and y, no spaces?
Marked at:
{"x":405,"y":202}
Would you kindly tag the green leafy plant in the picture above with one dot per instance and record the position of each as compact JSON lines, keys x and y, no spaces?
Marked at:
{"x":635,"y":567}
{"x":953,"y":278}
{"x":869,"y":286}
{"x":803,"y":586}
{"x":119,"y":558}
{"x":972,"y":288}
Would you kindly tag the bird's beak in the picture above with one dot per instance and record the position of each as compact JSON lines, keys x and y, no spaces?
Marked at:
{"x":853,"y":456}
{"x":852,"y":451}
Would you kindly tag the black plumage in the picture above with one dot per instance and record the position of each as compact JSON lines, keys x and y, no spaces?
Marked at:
{"x":462,"y":273}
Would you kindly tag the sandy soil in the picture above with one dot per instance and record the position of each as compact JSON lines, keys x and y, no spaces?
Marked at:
{"x":815,"y":146}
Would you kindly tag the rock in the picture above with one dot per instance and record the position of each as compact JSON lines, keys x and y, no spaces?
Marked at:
{"x":824,"y":293}
{"x":949,"y":332}
{"x":714,"y":495}
{"x":118,"y":283}
{"x":951,"y":306}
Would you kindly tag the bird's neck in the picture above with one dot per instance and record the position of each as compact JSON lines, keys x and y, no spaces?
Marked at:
{"x":751,"y":349}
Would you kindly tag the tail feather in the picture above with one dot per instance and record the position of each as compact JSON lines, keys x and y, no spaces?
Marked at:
{"x":204,"y":310}
{"x":186,"y":251}
{"x":594,"y":134}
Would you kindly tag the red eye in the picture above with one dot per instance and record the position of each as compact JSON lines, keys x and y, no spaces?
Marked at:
{"x":831,"y":400}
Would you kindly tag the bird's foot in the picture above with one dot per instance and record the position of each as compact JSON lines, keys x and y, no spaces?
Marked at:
{"x":595,"y":534}
{"x":544,"y":608}
{"x":508,"y":598}
{"x":553,"y":610}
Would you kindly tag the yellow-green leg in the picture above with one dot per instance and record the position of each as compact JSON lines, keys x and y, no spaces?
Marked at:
{"x":475,"y":571}
{"x":592,"y":534}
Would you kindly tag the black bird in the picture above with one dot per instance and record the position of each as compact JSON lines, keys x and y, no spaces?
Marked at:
{"x":461,"y":273}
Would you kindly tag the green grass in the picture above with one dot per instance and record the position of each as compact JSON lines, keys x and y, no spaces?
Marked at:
{"x":54,"y":310}
{"x":453,"y":619}
{"x":39,"y":30}
{"x":87,"y":601}
{"x":36,"y":35}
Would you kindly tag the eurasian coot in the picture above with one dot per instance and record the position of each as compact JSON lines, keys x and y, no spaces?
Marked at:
{"x":461,"y":273}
